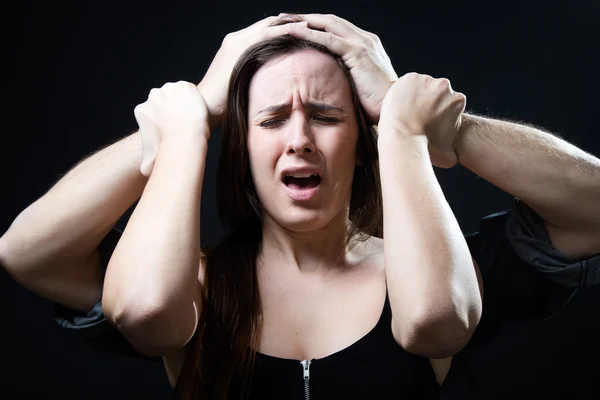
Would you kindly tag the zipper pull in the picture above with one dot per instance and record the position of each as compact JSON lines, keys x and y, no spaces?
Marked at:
{"x":306,"y":368}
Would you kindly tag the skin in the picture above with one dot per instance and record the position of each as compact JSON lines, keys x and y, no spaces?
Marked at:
{"x":300,"y":135}
{"x":306,"y":287}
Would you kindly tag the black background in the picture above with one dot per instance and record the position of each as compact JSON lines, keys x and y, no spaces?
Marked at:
{"x":77,"y":70}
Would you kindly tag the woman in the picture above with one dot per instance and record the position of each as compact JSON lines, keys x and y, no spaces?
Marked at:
{"x":297,"y":279}
{"x":298,"y":282}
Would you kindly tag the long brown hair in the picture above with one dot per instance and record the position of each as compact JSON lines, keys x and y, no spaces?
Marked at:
{"x":222,"y":350}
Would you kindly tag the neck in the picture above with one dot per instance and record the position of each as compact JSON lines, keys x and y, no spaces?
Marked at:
{"x":314,"y":251}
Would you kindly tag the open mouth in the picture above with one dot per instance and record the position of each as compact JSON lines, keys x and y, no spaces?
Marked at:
{"x":301,"y":181}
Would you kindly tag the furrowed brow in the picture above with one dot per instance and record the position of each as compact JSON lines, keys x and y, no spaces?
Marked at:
{"x":325,"y":108}
{"x":274,"y":108}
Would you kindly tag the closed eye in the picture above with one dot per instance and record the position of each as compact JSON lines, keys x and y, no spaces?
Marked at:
{"x":272,"y":123}
{"x":326,"y":120}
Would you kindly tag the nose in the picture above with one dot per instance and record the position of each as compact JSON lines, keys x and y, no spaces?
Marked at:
{"x":300,"y":138}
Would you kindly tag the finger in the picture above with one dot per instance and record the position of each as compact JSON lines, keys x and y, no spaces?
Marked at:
{"x":154,"y":94}
{"x":149,"y":137}
{"x":319,"y":21}
{"x":461,"y":101}
{"x":257,"y":25}
{"x":336,"y":44}
{"x":140,"y":112}
{"x":283,"y":19}
{"x":279,"y":30}
{"x":264,"y":22}
{"x":146,"y":167}
{"x":334,"y":24}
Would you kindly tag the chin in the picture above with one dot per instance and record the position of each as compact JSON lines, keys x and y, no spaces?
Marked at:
{"x":303,"y":221}
{"x":300,"y":221}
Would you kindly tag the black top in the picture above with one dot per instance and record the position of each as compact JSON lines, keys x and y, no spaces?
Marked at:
{"x":524,"y":277}
{"x":374,"y":367}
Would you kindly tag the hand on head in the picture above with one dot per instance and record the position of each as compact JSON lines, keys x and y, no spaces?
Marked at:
{"x":419,"y":103}
{"x":361,"y":51}
{"x":215,"y":83}
{"x":369,"y":66}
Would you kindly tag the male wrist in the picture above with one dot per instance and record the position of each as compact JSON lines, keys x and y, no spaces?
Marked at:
{"x":468,"y":125}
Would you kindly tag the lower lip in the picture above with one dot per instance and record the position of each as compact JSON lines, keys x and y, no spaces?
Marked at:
{"x":301,"y":194}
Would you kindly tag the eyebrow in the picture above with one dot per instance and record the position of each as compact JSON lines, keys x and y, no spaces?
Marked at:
{"x":320,"y":107}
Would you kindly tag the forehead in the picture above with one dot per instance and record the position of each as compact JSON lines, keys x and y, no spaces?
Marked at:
{"x":310,"y":73}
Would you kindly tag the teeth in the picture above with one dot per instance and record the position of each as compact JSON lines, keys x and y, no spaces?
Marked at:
{"x":301,"y":175}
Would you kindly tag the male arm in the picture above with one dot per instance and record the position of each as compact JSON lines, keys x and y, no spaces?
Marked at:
{"x":559,"y":181}
{"x":51,"y":248}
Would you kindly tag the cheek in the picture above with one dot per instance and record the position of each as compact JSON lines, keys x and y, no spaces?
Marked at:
{"x":264,"y":152}
{"x":342,"y":149}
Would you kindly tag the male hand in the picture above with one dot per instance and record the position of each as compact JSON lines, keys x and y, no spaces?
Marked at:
{"x":361,"y":51}
{"x":215,"y":83}
{"x":176,"y":111}
{"x":421,"y":105}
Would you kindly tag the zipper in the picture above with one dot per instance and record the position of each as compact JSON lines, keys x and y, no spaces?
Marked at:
{"x":306,"y":376}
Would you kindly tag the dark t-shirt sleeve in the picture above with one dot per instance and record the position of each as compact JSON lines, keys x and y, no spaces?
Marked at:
{"x":524,"y":279}
{"x":524,"y":276}
{"x":93,"y":325}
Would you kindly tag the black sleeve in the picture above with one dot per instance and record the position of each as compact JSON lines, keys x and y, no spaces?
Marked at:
{"x":524,"y":279}
{"x":92,"y":325}
{"x":524,"y":276}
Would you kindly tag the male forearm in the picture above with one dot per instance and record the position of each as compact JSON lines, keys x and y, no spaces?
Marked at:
{"x":430,"y":273}
{"x":73,"y":217}
{"x":558,"y":180}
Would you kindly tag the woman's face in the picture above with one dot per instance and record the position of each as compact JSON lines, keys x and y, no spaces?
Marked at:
{"x":302,"y":137}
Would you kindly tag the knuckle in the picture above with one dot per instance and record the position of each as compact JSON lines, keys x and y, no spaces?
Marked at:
{"x":444,"y":83}
{"x":272,"y":20}
{"x":427,"y":79}
{"x":139,"y":110}
{"x":363,"y":51}
{"x":373,"y":38}
{"x":227,"y":38}
{"x":330,"y":37}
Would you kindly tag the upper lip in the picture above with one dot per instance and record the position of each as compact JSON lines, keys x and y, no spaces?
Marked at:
{"x":300,"y":170}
